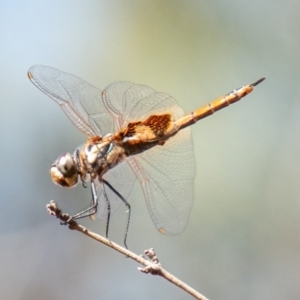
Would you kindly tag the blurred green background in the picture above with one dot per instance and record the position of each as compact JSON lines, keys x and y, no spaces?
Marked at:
{"x":243,"y":236}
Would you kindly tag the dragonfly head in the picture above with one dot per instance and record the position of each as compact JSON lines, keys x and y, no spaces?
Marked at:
{"x":64,"y":171}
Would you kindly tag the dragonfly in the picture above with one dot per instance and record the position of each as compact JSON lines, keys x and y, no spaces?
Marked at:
{"x":134,"y":133}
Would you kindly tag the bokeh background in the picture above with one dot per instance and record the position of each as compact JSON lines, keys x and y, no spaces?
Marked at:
{"x":243,"y":236}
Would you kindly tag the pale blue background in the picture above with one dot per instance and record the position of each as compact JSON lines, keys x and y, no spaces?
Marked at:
{"x":243,"y":237}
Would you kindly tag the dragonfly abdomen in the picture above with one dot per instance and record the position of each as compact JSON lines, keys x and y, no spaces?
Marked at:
{"x":216,"y":105}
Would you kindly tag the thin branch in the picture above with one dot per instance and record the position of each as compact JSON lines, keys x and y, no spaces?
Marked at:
{"x":151,"y":264}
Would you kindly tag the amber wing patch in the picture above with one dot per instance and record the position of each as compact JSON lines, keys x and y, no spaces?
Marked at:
{"x":131,"y":129}
{"x":158,"y":124}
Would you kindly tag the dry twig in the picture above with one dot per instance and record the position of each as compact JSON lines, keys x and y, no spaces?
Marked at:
{"x":151,"y":264}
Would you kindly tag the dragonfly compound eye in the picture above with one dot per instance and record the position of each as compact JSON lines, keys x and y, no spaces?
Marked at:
{"x":64,"y":171}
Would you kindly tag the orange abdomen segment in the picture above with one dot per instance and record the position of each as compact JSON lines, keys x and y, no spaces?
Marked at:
{"x":216,"y":105}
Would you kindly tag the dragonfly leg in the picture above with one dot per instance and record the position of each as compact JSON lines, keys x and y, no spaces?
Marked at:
{"x":108,"y":209}
{"x":90,"y":210}
{"x":128,"y":209}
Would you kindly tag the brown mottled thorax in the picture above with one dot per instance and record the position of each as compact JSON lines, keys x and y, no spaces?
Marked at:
{"x":156,"y":126}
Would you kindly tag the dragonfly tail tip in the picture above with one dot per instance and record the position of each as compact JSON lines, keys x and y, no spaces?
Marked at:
{"x":258,"y":81}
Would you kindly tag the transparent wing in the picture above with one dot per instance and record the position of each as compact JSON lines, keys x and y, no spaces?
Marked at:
{"x":81,"y":101}
{"x":129,"y":102}
{"x":166,"y":172}
{"x":83,"y":104}
{"x":122,"y":179}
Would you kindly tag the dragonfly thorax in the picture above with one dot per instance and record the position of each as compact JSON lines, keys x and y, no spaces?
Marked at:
{"x":94,"y":152}
{"x":99,"y":155}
